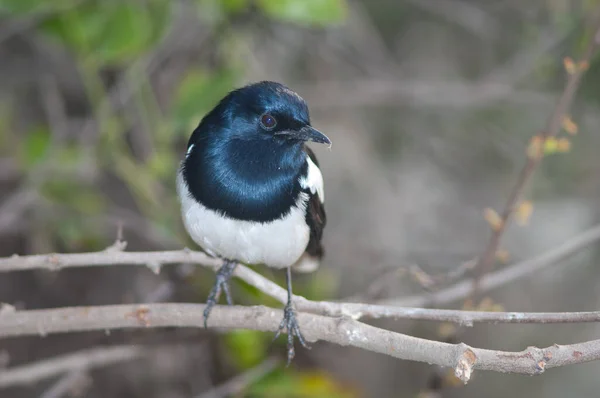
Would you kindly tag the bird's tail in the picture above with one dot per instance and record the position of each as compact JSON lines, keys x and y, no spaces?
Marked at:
{"x":307,"y":263}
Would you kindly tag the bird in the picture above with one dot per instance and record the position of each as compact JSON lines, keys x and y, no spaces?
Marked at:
{"x":251,"y":190}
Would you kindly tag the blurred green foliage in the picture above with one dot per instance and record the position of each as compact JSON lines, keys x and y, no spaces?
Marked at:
{"x":120,"y":37}
{"x":35,"y":146}
{"x":189,"y":105}
{"x":107,"y":31}
{"x":307,"y":11}
{"x":313,"y":384}
{"x":247,"y":347}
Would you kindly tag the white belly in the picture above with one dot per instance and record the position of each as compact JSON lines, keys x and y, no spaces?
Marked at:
{"x":278,"y":243}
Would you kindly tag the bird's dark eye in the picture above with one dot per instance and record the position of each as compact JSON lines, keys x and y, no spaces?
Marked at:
{"x":268,"y":121}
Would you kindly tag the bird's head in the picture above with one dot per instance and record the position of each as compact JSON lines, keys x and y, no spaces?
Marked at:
{"x":265,"y":111}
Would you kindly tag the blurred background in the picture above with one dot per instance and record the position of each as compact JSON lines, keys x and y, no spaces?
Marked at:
{"x":430,"y":105}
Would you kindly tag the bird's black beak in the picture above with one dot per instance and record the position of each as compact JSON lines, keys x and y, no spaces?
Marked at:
{"x":306,"y":133}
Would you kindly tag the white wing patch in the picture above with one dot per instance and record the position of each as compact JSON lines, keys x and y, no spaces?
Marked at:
{"x":313,"y":180}
{"x":189,"y":150}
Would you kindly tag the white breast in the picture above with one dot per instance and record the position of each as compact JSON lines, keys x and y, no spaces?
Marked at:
{"x":278,"y":243}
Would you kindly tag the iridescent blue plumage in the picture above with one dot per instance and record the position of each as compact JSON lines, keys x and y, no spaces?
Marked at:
{"x":251,"y":191}
{"x":239,"y":169}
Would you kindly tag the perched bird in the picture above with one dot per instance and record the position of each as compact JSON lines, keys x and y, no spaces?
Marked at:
{"x":251,"y":191}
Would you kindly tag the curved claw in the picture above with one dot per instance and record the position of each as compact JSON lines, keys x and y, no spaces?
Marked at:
{"x":290,"y":323}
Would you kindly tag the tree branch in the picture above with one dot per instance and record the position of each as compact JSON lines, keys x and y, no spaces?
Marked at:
{"x":66,"y":385}
{"x":342,"y":331}
{"x":75,"y":362}
{"x":552,"y":129}
{"x":238,"y":383}
{"x":506,"y":275}
{"x":114,"y":255}
{"x":387,"y":308}
{"x":393,"y":309}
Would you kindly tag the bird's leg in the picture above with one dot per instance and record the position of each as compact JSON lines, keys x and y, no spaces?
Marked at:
{"x":221,"y":284}
{"x":289,"y":322}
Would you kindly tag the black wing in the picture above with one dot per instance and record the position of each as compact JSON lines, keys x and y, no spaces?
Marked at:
{"x":315,"y":217}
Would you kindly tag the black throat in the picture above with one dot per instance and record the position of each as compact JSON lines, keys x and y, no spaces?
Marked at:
{"x":250,"y":180}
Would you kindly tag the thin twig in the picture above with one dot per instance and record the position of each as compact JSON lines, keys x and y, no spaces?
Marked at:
{"x":78,"y":361}
{"x":8,"y":169}
{"x":34,"y":18}
{"x":240,"y":382}
{"x":149,"y":64}
{"x":465,"y":14}
{"x":504,"y":276}
{"x":12,"y":209}
{"x":378,"y":285}
{"x":66,"y":384}
{"x":426,"y":281}
{"x":343,"y":331}
{"x":553,"y":127}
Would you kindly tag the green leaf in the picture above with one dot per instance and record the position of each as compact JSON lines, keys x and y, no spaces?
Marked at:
{"x":162,"y":164}
{"x":76,"y":28}
{"x":68,"y":156}
{"x":233,"y":6}
{"x":247,"y":347}
{"x":78,"y":197}
{"x":313,"y":384}
{"x":18,"y":6}
{"x":198,"y":92}
{"x":139,"y":179}
{"x":37,"y":6}
{"x":216,"y":11}
{"x":321,"y":285}
{"x":35,"y":146}
{"x":308,"y":12}
{"x":159,"y":12}
{"x":88,"y":202}
{"x":127,"y":32}
{"x":110,"y":32}
{"x":76,"y":234}
{"x":280,"y":383}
